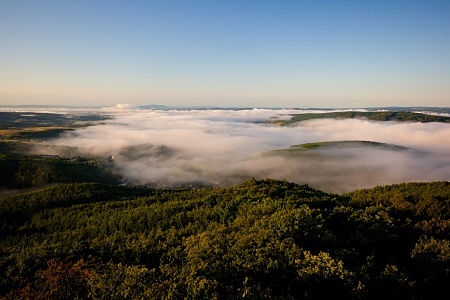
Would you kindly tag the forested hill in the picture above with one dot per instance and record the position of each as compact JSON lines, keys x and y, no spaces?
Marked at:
{"x":262,"y":239}
{"x":403,"y":116}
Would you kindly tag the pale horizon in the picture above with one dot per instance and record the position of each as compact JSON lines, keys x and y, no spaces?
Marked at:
{"x":346,"y":54}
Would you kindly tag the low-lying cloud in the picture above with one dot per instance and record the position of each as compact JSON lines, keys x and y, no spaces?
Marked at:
{"x":224,"y":147}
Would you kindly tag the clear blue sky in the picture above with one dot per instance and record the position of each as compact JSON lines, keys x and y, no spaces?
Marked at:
{"x":227,"y":53}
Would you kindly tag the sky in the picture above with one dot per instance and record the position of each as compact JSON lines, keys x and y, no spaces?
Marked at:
{"x":225,"y":53}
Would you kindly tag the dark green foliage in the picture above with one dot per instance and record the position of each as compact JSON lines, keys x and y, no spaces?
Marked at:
{"x":12,"y":148}
{"x":374,"y":116}
{"x":18,"y":171}
{"x":262,"y":239}
{"x":18,"y":209}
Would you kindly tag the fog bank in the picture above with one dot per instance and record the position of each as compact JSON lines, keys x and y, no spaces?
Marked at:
{"x":224,"y":147}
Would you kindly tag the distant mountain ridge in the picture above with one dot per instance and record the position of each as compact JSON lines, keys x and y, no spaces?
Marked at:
{"x":402,"y":116}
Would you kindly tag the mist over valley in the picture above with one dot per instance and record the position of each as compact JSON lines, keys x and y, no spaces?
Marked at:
{"x":222,"y":147}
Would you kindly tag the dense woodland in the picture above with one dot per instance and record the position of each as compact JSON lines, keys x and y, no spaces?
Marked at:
{"x":263,"y":239}
{"x":69,"y":231}
{"x":29,"y":171}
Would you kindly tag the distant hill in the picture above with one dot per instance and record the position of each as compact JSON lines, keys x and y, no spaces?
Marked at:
{"x":402,"y":116}
{"x":342,"y":145}
{"x":437,"y":110}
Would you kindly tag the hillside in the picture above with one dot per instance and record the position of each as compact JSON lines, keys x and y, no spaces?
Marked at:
{"x":263,"y":239}
{"x":338,"y":145}
{"x":401,"y":116}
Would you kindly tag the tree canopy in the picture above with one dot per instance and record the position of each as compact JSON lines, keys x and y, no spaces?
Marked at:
{"x":263,"y":239}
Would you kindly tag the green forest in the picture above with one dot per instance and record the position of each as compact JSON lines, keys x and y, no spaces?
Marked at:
{"x":262,"y":239}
